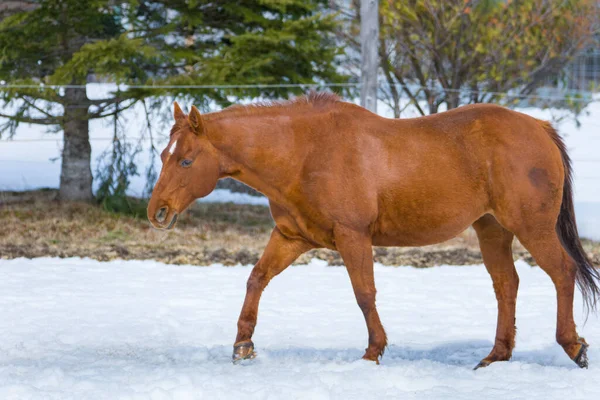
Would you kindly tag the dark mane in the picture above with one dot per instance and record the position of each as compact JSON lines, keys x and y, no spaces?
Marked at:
{"x":314,"y":100}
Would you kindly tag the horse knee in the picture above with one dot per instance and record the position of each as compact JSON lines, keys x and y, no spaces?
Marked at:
{"x":366,"y":301}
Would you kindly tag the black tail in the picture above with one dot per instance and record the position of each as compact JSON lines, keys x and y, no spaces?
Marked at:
{"x":587,"y":277}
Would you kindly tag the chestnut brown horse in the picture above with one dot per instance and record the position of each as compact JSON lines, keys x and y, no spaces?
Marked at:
{"x":339,"y":177}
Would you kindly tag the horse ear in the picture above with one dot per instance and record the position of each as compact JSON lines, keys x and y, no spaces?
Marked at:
{"x":196,"y":120}
{"x":177,"y":112}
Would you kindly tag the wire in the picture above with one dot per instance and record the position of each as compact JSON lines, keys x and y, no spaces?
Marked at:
{"x":324,"y":85}
{"x":61,"y":139}
{"x":591,"y":160}
{"x":52,"y":162}
{"x":253,"y":86}
{"x":586,"y":160}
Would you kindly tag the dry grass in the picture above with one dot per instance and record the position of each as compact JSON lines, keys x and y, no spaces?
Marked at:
{"x":41,"y":226}
{"x":34,"y":224}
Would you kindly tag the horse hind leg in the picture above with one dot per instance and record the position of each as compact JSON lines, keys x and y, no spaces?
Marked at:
{"x":496,"y":249}
{"x":547,"y":250}
{"x":533,"y":198}
{"x":537,"y":232}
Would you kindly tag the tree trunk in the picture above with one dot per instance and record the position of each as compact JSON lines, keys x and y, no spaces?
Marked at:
{"x":453,"y":99}
{"x":76,"y":173}
{"x":369,"y":39}
{"x":433,"y":105}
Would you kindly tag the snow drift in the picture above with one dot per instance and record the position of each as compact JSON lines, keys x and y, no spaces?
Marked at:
{"x":82,"y":329}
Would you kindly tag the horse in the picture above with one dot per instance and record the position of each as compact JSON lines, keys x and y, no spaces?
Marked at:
{"x":340,"y":177}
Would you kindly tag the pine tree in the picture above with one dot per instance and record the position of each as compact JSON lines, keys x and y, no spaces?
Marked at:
{"x":244,"y":42}
{"x":64,"y":42}
{"x":143,"y":42}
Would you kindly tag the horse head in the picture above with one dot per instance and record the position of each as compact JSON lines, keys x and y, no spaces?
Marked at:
{"x":190,"y":169}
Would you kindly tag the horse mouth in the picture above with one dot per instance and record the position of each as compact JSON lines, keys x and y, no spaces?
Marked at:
{"x":173,"y":221}
{"x":159,"y":221}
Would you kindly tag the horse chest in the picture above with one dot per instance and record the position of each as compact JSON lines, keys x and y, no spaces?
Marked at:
{"x":294,"y":223}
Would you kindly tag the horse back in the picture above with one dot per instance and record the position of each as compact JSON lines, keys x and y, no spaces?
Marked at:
{"x":423,"y":180}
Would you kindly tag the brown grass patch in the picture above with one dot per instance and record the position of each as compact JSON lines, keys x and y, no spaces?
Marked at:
{"x":34,"y":224}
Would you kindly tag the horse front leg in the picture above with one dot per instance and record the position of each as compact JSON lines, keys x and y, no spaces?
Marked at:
{"x":278,"y":255}
{"x":356,"y":250}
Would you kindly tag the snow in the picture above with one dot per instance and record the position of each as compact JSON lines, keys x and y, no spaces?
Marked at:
{"x":82,"y":329}
{"x":227,"y":196}
{"x":28,"y":165}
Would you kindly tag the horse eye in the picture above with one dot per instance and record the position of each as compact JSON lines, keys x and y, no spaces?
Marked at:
{"x":185,"y":163}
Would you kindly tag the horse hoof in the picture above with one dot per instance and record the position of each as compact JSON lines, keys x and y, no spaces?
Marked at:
{"x":243,"y":351}
{"x":482,"y":364}
{"x":375,"y":360}
{"x":581,"y":359}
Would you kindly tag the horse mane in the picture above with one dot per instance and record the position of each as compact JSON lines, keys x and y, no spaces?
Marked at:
{"x":312,"y":100}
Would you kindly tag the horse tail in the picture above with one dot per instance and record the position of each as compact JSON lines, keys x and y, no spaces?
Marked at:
{"x":587,"y":276}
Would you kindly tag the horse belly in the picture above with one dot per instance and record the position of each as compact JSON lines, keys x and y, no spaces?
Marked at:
{"x":403,"y":224}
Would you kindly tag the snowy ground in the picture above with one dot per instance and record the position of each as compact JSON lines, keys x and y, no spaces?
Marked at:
{"x":81,"y":329}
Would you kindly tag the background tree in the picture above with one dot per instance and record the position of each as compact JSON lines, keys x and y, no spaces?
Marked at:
{"x":448,"y":52}
{"x":243,"y":43}
{"x":168,"y":44}
{"x":67,"y":42}
{"x":8,"y":7}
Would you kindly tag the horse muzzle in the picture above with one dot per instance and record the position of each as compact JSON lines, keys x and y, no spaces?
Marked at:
{"x":164,"y":218}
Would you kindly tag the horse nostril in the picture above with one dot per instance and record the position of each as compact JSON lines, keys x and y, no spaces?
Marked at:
{"x":161,"y":214}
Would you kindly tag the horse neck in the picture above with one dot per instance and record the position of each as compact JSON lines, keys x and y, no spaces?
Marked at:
{"x":256,"y":150}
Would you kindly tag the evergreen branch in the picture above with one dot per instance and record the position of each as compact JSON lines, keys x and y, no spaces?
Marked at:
{"x":98,"y":114}
{"x":39,"y":109}
{"x":41,"y":93}
{"x":108,"y":101}
{"x":30,"y":120}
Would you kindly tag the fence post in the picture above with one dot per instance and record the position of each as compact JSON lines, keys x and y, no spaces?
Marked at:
{"x":369,"y":39}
